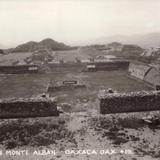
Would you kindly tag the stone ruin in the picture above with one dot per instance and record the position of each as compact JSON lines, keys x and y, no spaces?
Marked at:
{"x":19,"y":69}
{"x":129,"y":102}
{"x":110,"y":102}
{"x":65,"y":85}
{"x":27,"y":107}
{"x":107,"y":65}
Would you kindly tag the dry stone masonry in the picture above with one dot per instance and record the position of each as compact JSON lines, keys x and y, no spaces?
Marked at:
{"x":129,"y":102}
{"x":19,"y":69}
{"x":28,"y":107}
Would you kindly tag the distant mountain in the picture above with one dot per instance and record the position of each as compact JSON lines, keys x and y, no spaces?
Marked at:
{"x":143,"y":40}
{"x":44,"y":44}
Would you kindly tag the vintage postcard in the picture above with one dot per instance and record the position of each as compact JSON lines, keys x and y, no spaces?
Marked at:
{"x":79,"y":80}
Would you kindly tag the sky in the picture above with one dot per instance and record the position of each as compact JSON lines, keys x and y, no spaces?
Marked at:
{"x":75,"y":22}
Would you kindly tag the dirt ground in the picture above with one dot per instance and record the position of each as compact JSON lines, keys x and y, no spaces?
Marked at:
{"x":28,"y":85}
{"x":80,"y":132}
{"x":95,"y":137}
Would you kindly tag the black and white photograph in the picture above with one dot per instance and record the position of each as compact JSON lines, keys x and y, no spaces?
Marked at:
{"x":79,"y":80}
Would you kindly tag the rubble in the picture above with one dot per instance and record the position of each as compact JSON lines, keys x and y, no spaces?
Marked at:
{"x":151,"y":120}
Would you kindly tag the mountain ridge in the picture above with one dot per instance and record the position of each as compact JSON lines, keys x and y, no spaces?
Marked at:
{"x":46,"y":43}
{"x":144,"y":40}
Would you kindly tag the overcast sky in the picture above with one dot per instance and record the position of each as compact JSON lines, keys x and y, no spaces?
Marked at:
{"x":75,"y":21}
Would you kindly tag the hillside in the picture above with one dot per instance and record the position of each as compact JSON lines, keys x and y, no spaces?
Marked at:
{"x":143,"y":40}
{"x":48,"y":43}
{"x":127,"y":51}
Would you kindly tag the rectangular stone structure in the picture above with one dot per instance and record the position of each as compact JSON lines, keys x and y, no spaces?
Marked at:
{"x":108,"y":65}
{"x":66,"y":87}
{"x":130,"y":102}
{"x":19,"y":69}
{"x":69,"y":82}
{"x":28,"y":107}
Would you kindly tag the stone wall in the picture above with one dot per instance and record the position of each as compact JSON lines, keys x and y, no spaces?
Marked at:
{"x":138,"y":70}
{"x":144,"y":72}
{"x":67,"y":67}
{"x":153,"y":76}
{"x":19,"y":69}
{"x":66,"y":87}
{"x":99,"y":66}
{"x":130,"y":102}
{"x":108,"y":65}
{"x":29,"y":107}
